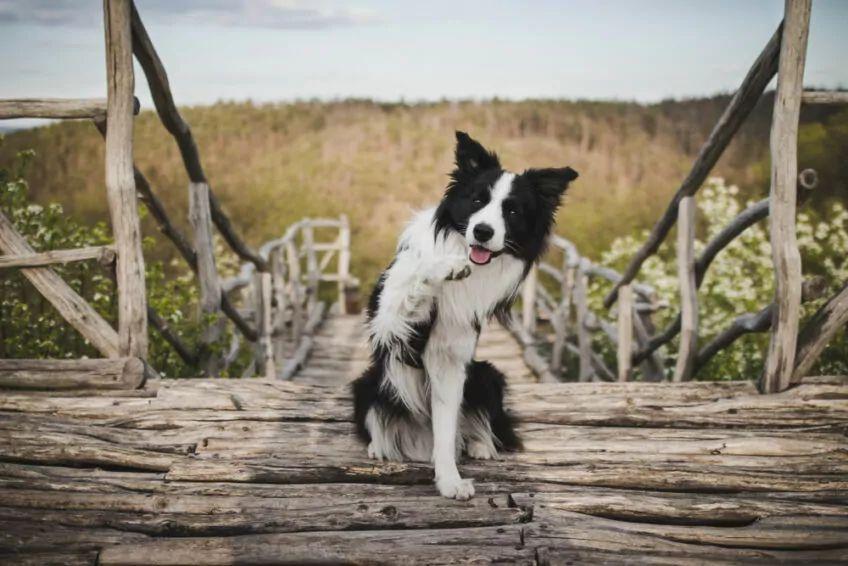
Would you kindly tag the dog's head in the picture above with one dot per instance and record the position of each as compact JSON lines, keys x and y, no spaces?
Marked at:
{"x":497,"y":211}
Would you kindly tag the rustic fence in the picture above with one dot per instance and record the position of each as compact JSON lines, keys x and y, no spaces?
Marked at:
{"x":280,"y":280}
{"x":791,"y":354}
{"x":280,"y":298}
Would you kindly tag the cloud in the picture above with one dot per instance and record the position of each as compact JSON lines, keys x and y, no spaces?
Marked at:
{"x":276,"y":14}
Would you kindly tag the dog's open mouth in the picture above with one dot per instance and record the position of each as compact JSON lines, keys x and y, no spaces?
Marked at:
{"x":480,"y":255}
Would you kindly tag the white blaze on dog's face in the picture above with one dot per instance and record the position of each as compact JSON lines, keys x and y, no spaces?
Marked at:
{"x":498,"y":212}
{"x":486,"y":232}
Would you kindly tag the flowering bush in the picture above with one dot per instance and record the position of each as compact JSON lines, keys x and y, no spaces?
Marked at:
{"x":740,"y":279}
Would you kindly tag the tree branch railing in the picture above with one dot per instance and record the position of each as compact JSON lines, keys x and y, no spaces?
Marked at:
{"x":789,"y":355}
{"x":286,"y":302}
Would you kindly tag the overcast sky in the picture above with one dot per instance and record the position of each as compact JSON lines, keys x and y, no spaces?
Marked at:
{"x":272,"y":50}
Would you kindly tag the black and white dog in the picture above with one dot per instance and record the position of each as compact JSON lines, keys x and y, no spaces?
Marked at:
{"x":424,"y":396}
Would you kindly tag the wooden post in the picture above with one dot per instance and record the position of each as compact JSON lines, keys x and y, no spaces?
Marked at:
{"x":207,"y":275}
{"x":780,"y":362}
{"x":584,"y":340}
{"x":344,"y":262}
{"x":312,"y":273}
{"x":688,"y":290}
{"x":120,"y":183}
{"x":563,"y":312}
{"x":625,"y":331}
{"x":278,"y":284}
{"x":262,"y":304}
{"x":528,"y":301}
{"x":294,"y":291}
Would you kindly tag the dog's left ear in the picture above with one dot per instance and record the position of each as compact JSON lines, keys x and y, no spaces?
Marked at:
{"x":551,"y":183}
{"x":472,"y":158}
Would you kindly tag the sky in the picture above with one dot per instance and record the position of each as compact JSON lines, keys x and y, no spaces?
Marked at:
{"x":283,"y":50}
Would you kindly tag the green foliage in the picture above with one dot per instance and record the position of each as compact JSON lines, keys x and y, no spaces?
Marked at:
{"x":31,"y":328}
{"x":740,"y":279}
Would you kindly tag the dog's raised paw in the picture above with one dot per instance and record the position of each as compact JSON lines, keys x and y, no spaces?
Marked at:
{"x":460,"y":489}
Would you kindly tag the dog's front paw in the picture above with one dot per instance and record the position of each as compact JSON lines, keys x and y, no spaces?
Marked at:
{"x":448,"y":268}
{"x":458,"y":488}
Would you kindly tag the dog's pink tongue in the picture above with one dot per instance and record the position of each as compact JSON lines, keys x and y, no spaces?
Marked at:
{"x":480,"y":254}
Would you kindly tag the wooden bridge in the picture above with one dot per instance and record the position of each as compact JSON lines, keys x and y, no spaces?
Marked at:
{"x":102,"y":461}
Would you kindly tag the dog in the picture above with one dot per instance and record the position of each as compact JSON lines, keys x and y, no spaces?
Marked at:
{"x":424,"y":397}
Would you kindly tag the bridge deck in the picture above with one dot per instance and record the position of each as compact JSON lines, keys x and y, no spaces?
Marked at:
{"x":216,"y":471}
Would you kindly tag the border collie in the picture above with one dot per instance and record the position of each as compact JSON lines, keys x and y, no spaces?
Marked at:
{"x":424,"y":397}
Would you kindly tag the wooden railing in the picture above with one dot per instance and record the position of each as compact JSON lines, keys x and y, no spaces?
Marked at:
{"x":790,"y":354}
{"x":275,"y":288}
{"x":286,"y":306}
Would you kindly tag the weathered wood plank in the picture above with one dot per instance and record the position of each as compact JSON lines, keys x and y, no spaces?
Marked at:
{"x":109,"y":373}
{"x":780,"y":360}
{"x":120,"y":181}
{"x":584,"y":340}
{"x":824,"y":97}
{"x":688,"y":291}
{"x":743,"y":101}
{"x":70,"y":305}
{"x":443,"y":546}
{"x":55,"y":108}
{"x":105,"y":255}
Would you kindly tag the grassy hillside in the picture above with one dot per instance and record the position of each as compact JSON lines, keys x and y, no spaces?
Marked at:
{"x":271,"y":164}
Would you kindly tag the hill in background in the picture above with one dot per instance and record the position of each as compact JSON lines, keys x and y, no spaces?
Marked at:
{"x":271,"y":164}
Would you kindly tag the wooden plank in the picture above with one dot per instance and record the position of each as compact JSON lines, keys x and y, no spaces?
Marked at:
{"x":109,"y":373}
{"x":105,"y":255}
{"x":163,"y":100}
{"x":625,"y":331}
{"x":824,"y":97}
{"x":55,"y":108}
{"x":313,"y":275}
{"x":819,"y":331}
{"x":281,"y":305}
{"x":780,"y":360}
{"x":70,"y":305}
{"x":295,"y":290}
{"x":688,"y":291}
{"x":120,"y":181}
{"x":742,"y":103}
{"x":482,"y":545}
{"x":209,"y":306}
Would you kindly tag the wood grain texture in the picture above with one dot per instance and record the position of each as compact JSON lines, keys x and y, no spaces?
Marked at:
{"x":56,"y":108}
{"x":213,"y":471}
{"x":64,"y":299}
{"x":824,"y":97}
{"x":120,"y":181}
{"x":109,"y":373}
{"x":780,"y":360}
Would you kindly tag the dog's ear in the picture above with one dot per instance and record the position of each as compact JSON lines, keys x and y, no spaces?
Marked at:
{"x":550,"y":183}
{"x":472,"y":158}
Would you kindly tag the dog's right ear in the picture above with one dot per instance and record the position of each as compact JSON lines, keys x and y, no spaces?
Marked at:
{"x":472,"y":158}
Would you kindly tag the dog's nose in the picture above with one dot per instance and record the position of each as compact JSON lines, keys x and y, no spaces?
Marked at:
{"x":483,"y":232}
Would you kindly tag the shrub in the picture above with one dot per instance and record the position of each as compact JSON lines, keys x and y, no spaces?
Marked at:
{"x":740,"y":279}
